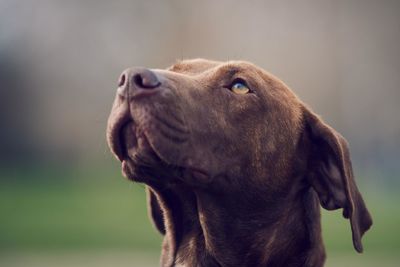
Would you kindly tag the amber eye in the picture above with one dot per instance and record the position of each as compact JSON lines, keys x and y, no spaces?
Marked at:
{"x":240,"y":88}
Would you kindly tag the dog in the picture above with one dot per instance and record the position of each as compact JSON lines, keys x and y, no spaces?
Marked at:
{"x":235,"y":165}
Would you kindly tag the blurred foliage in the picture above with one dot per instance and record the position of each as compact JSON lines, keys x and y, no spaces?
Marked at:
{"x":57,"y":210}
{"x":72,"y":209}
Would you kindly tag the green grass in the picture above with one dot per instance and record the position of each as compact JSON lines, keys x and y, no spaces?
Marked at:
{"x":79,"y":210}
{"x":84,"y":212}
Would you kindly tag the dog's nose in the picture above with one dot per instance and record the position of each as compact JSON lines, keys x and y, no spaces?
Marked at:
{"x":137,"y":78}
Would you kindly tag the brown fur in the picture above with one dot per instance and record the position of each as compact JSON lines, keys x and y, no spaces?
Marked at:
{"x":233,"y":180}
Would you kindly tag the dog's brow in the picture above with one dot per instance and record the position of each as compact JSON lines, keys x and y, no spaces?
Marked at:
{"x":227,"y":71}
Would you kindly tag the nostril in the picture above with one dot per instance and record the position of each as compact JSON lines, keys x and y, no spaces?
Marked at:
{"x":138,"y":80}
{"x":146,"y":79}
{"x":122,"y":80}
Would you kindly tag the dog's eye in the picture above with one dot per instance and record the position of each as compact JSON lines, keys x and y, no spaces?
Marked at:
{"x":240,"y":88}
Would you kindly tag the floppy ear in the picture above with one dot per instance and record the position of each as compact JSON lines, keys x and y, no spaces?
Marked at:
{"x":154,"y":210}
{"x":331,"y":176}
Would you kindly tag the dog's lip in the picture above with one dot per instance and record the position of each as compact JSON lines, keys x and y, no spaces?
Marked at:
{"x":116,"y":122}
{"x":126,"y":169}
{"x":128,"y":139}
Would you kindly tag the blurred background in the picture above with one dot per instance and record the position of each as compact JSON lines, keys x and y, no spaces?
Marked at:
{"x":63,"y":201}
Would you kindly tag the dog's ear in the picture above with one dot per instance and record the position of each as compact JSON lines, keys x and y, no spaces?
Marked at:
{"x":331,"y":175}
{"x":154,"y":210}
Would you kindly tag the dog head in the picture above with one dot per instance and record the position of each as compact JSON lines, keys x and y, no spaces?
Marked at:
{"x":232,"y":128}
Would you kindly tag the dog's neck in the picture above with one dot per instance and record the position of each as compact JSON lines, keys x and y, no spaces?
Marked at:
{"x":202,"y":229}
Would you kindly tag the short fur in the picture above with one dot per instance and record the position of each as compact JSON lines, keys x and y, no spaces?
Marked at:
{"x":232,"y":180}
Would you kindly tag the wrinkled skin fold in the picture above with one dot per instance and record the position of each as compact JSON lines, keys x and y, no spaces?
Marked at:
{"x":232,"y":179}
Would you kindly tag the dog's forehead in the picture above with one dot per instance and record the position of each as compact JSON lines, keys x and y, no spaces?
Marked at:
{"x":201,"y":66}
{"x":194,"y":66}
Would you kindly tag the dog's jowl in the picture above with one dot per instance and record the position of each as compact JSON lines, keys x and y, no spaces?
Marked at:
{"x":235,"y":164}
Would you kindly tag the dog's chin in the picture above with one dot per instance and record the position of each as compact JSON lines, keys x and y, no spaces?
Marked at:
{"x":151,"y":174}
{"x":141,"y":160}
{"x":138,"y":157}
